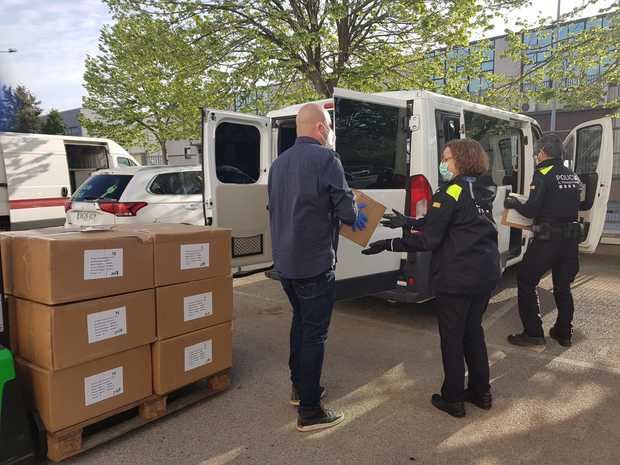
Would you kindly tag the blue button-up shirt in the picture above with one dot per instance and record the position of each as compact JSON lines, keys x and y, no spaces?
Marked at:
{"x":308,"y":199}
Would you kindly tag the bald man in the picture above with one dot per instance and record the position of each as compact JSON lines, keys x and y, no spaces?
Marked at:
{"x":308,"y":200}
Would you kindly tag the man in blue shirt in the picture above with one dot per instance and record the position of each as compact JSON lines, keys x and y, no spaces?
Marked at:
{"x":308,"y":200}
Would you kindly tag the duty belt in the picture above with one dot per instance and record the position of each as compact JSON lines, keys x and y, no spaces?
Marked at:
{"x":559,"y":231}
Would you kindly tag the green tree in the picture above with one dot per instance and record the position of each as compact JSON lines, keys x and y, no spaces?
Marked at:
{"x":54,"y":124}
{"x":148,"y":82}
{"x":26,"y":117}
{"x":302,"y":49}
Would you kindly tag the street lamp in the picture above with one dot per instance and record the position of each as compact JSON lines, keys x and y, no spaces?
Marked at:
{"x":10,"y":50}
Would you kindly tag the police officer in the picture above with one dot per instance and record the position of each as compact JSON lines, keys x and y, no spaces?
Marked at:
{"x":553,"y":203}
{"x":460,"y":231}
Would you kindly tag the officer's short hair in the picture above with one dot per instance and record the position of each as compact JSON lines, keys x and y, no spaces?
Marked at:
{"x":551,"y":145}
{"x":469,"y":157}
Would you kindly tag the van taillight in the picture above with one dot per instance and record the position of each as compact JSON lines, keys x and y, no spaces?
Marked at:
{"x":122,"y":208}
{"x":420,"y":196}
{"x":68,"y":205}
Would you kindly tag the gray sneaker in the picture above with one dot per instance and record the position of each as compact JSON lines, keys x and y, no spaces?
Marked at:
{"x":319,"y":418}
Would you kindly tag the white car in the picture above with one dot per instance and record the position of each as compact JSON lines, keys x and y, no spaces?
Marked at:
{"x":146,"y":194}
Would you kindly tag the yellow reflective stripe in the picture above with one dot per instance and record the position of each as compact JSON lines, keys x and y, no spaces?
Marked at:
{"x":454,"y":191}
{"x":546,"y":169}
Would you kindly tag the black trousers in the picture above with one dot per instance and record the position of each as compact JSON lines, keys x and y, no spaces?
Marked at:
{"x":562,"y":258}
{"x":462,"y":341}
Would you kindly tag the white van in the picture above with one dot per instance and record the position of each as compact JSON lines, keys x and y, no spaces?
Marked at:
{"x":39,"y":172}
{"x":390,"y":145}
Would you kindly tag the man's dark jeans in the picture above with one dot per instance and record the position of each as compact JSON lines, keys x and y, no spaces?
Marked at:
{"x":312,"y":300}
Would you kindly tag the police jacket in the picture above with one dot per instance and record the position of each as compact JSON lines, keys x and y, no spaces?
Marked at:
{"x":462,"y":235}
{"x":554,"y":194}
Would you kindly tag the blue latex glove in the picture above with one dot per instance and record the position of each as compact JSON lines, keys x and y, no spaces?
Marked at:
{"x":361,"y":219}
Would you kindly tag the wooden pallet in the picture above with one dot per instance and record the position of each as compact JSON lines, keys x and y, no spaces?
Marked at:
{"x":99,"y":430}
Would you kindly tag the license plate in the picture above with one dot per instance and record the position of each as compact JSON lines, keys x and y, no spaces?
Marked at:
{"x":86,"y":216}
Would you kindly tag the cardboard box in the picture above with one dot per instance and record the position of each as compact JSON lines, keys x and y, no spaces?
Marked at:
{"x":374,"y":210}
{"x":67,"y":397}
{"x":5,"y":257}
{"x":182,"y":360}
{"x":184,"y":253}
{"x":514,"y":219}
{"x":187,"y":307}
{"x":63,"y":336}
{"x":56,"y":266}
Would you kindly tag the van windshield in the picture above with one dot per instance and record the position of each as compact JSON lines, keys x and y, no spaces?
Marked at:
{"x":102,"y":187}
{"x":372,"y":143}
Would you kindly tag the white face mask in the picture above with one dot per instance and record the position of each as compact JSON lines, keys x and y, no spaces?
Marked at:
{"x":330,"y":140}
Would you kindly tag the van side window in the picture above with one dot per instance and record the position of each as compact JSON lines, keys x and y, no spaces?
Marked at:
{"x":502,"y":142}
{"x":237,"y":153}
{"x":448,"y":128}
{"x":588,"y":152}
{"x":371,"y":140}
{"x":122,"y":161}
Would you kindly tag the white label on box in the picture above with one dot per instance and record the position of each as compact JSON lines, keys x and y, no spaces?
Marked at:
{"x":197,"y":306}
{"x":107,"y":324}
{"x":102,"y":386}
{"x":1,"y":313}
{"x":194,"y":256}
{"x":103,"y":263}
{"x":198,"y":355}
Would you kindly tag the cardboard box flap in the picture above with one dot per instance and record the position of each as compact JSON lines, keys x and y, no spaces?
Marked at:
{"x":374,"y":210}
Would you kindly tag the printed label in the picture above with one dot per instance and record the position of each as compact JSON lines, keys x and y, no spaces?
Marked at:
{"x":103,"y":386}
{"x":107,"y":324}
{"x":104,"y":263}
{"x":197,"y":306}
{"x":198,"y":355}
{"x":194,"y":256}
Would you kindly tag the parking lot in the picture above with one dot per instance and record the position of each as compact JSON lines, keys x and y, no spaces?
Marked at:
{"x":552,"y":405}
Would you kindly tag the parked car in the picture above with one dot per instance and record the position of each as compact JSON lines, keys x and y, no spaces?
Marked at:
{"x":146,"y":194}
{"x":39,"y":172}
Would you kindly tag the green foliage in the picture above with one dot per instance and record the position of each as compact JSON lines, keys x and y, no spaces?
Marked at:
{"x":275,"y":53}
{"x":301,"y":49}
{"x":54,"y":123}
{"x":26,"y":117}
{"x":148,"y":82}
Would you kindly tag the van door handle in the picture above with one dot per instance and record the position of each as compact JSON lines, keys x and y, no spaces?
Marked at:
{"x":192,"y":206}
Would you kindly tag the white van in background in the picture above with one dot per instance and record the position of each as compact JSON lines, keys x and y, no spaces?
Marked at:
{"x":39,"y":172}
{"x":390,"y":145}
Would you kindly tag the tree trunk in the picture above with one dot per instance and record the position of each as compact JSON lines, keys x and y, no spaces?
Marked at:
{"x":164,"y":152}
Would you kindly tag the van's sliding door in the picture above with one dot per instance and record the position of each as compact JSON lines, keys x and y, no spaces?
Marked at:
{"x":373,"y":141}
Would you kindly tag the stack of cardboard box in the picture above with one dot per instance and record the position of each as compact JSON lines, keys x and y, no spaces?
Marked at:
{"x":102,"y":319}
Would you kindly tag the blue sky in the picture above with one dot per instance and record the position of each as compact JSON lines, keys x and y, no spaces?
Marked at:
{"x":53,"y":38}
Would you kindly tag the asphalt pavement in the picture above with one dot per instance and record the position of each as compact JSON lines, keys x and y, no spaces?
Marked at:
{"x":553,"y":405}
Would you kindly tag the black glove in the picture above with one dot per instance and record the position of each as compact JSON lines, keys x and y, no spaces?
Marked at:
{"x":377,"y":247}
{"x":511,"y":202}
{"x":396,"y":220}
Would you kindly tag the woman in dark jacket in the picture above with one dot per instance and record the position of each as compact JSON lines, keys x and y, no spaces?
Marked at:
{"x":460,"y":231}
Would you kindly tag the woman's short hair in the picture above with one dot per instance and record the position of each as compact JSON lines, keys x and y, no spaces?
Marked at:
{"x":469,"y":157}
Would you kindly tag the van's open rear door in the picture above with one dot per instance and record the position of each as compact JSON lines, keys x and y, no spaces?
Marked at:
{"x":589,"y":152}
{"x":236,"y":160}
{"x":373,"y":141}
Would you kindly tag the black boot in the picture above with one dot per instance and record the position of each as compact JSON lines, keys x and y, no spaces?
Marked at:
{"x":523,"y":340}
{"x":483,"y":401}
{"x":564,"y":341}
{"x":456,"y":409}
{"x":318,"y":418}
